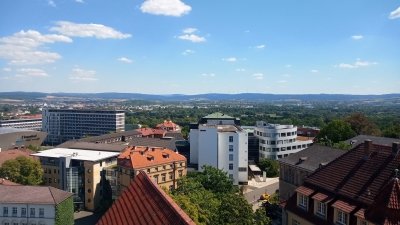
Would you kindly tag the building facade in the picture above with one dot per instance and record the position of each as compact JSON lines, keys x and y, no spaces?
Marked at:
{"x":163,"y":165}
{"x":220,"y":142}
{"x":77,"y":171}
{"x":14,"y":138}
{"x":34,"y":123}
{"x":67,"y":124}
{"x":278,"y":141}
{"x":28,"y":205}
{"x":168,"y":125}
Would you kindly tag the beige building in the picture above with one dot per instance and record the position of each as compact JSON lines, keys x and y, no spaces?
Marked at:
{"x":79,"y":172}
{"x":163,"y":165}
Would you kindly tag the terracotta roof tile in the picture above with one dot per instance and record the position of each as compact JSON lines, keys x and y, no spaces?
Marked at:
{"x":304,"y":190}
{"x":322,"y":197}
{"x":7,"y":182}
{"x":344,"y":206}
{"x":143,"y":202}
{"x":14,"y":153}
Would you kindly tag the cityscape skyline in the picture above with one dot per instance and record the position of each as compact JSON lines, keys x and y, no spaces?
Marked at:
{"x":192,"y":47}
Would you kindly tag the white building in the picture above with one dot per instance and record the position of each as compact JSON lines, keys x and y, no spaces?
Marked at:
{"x":66,"y":124}
{"x":278,"y":141}
{"x":34,"y":123}
{"x":221,"y":143}
{"x":28,"y":205}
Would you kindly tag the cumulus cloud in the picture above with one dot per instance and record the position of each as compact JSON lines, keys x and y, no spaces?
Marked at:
{"x":357,"y":37}
{"x":51,"y":3}
{"x":258,"y":76}
{"x":31,"y":72}
{"x":208,"y":74}
{"x":240,"y":70}
{"x":175,"y":8}
{"x":260,"y":46}
{"x":229,"y":59}
{"x":7,"y":69}
{"x":79,"y":74}
{"x":125,"y":60}
{"x":99,"y":31}
{"x":188,"y":34}
{"x":314,"y":71}
{"x":188,"y":52}
{"x":79,"y":1}
{"x":288,"y":66}
{"x":395,"y":14}
{"x":23,"y":48}
{"x":189,"y":30}
{"x":357,"y":64}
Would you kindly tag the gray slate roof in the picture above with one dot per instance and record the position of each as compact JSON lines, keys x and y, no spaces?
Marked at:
{"x":376,"y":140}
{"x":32,"y":194}
{"x":314,"y":156}
{"x":153,"y":142}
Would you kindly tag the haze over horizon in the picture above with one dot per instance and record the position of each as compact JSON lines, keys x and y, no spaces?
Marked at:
{"x":195,"y":47}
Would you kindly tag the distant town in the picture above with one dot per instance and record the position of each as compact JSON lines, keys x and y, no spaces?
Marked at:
{"x":126,"y":161}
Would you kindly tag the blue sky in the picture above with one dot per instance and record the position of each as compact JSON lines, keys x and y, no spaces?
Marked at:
{"x":203,"y":46}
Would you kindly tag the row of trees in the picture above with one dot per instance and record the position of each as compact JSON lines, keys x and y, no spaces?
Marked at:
{"x":209,"y":197}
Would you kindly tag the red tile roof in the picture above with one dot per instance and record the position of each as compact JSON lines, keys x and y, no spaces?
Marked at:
{"x":344,"y":206}
{"x":7,"y":182}
{"x":168,"y":125}
{"x":144,"y":156}
{"x":14,"y":153}
{"x":322,"y":197}
{"x":304,"y":190}
{"x":150,"y":132}
{"x":143,"y":202}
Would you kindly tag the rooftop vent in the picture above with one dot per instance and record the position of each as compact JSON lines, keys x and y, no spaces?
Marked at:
{"x":395,"y":148}
{"x":302,"y":159}
{"x":150,"y":157}
{"x":165,"y":155}
{"x":367,"y":148}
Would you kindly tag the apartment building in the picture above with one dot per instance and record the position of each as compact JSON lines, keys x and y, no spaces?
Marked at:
{"x":163,"y":165}
{"x":28,"y":123}
{"x":168,"y":125}
{"x":67,"y":124}
{"x":218,"y":141}
{"x":359,"y":187}
{"x":28,"y":205}
{"x":278,"y":141}
{"x":78,"y":171}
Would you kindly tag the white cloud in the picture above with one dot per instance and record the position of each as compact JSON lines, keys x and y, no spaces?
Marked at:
{"x":208,"y":74}
{"x":31,"y":72}
{"x":7,"y":69}
{"x":260,"y":46}
{"x":282,"y":81}
{"x":258,"y":76}
{"x":83,"y":75}
{"x":79,"y":1}
{"x":357,"y":64}
{"x":357,"y":37}
{"x":192,"y":37}
{"x":189,"y":30}
{"x":288,"y":66}
{"x":22,"y":48}
{"x":165,"y":7}
{"x":247,"y":31}
{"x":51,"y":3}
{"x":395,"y":14}
{"x":286,"y":75}
{"x":230,"y":59}
{"x":88,"y":30}
{"x":125,"y":60}
{"x":188,"y":52}
{"x":240,"y":70}
{"x":314,"y":71}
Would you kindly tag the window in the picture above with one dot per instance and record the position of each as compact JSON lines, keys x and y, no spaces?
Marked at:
{"x":89,"y":200}
{"x":180,"y":173}
{"x":32,"y":212}
{"x":230,"y":166}
{"x":230,"y":138}
{"x":23,"y":212}
{"x":89,"y":190}
{"x":5,"y":211}
{"x":231,"y":176}
{"x":341,"y":217}
{"x":295,"y":222}
{"x":14,"y":212}
{"x":230,"y":157}
{"x":163,"y":177}
{"x":362,"y":222}
{"x":41,"y":212}
{"x":156,"y":178}
{"x":170,"y":176}
{"x":49,"y":180}
{"x":242,"y":169}
{"x":231,"y":148}
{"x":302,"y":200}
{"x":273,"y":142}
{"x":321,"y":209}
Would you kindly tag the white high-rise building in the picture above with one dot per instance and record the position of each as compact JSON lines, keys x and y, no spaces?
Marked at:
{"x":219,"y":141}
{"x":66,"y":124}
{"x":278,"y":141}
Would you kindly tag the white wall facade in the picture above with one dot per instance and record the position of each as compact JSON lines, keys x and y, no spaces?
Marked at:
{"x":278,"y":141}
{"x":48,"y":218}
{"x":194,"y":146}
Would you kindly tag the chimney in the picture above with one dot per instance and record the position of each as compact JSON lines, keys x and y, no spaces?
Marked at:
{"x":395,"y":148}
{"x":367,"y":147}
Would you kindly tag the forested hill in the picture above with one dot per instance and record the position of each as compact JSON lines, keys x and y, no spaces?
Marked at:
{"x":259,"y":97}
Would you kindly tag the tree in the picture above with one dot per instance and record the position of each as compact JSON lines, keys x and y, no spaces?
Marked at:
{"x":335,"y":131}
{"x":260,"y":217}
{"x":22,"y":170}
{"x":392,"y":131}
{"x":270,"y":166}
{"x":360,"y":124}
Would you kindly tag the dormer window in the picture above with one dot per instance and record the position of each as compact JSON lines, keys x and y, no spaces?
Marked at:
{"x":321,"y":209}
{"x":341,"y":217}
{"x":302,"y":201}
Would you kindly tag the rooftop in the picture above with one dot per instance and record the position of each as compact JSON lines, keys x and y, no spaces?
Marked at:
{"x":143,"y":202}
{"x":312,"y":157}
{"x":223,"y":128}
{"x":32,"y":194}
{"x":376,"y":140}
{"x":143,"y":156}
{"x":117,"y":147}
{"x":9,"y":130}
{"x":77,"y":154}
{"x":166,"y":142}
{"x":13,"y":154}
{"x":112,"y":135}
{"x":218,"y":115}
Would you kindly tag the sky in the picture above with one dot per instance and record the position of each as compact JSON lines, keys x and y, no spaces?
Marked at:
{"x":200,"y":46}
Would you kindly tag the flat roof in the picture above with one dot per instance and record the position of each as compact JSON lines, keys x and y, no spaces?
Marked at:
{"x":77,"y":154}
{"x":8,"y":130}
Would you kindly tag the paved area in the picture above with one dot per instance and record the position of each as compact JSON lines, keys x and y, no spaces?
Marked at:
{"x":254,"y":189}
{"x":86,"y":218}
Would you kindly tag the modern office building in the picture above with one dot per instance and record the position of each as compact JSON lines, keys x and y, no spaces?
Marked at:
{"x":39,"y":205}
{"x":278,"y":141}
{"x":14,"y":138}
{"x":218,"y":141}
{"x":163,"y":165}
{"x":253,"y":144}
{"x":77,"y":171}
{"x":66,"y":124}
{"x":28,"y":123}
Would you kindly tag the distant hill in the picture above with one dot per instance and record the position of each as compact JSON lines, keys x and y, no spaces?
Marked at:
{"x":210,"y":96}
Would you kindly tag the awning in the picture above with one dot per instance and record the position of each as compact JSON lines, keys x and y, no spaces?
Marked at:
{"x":254,"y":168}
